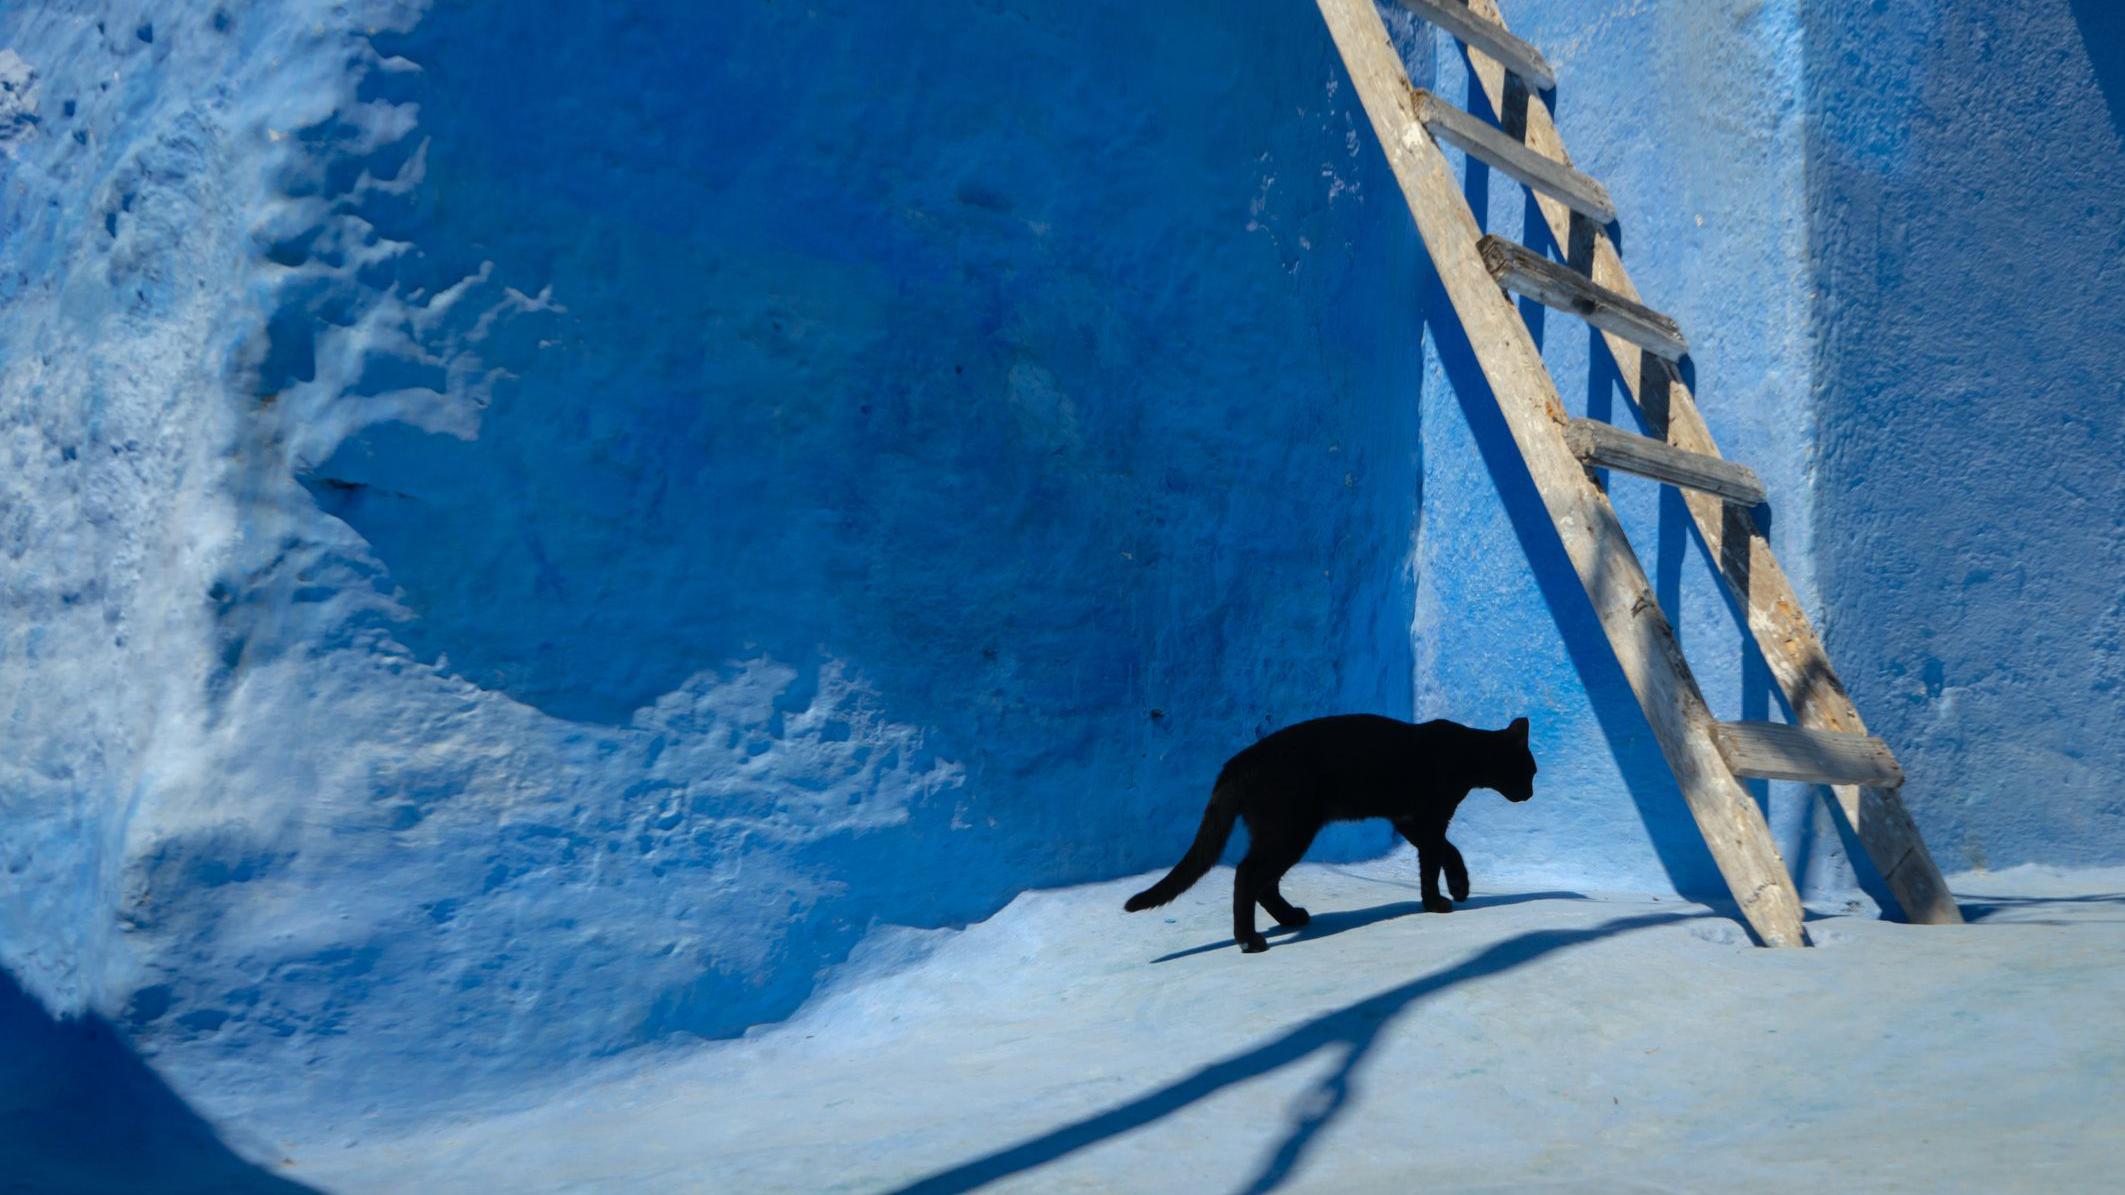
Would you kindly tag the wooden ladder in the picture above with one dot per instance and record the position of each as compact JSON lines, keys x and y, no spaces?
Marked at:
{"x":1828,"y":744}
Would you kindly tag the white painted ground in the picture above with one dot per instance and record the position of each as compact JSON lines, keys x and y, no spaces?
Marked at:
{"x":1531,"y":1041}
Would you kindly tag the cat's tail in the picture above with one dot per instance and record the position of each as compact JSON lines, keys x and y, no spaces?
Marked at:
{"x":1202,"y":855}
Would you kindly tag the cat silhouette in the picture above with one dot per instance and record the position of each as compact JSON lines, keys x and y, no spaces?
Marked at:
{"x":1345,"y":768}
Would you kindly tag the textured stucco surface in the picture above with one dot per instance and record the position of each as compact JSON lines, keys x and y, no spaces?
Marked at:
{"x":522,"y":546}
{"x":1966,"y":181}
{"x":1540,"y":1041}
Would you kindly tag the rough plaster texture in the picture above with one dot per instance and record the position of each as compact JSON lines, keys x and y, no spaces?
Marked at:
{"x":1966,"y":183}
{"x":511,"y":559}
{"x":522,"y":547}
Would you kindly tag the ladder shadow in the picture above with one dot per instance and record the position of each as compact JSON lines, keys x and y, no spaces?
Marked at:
{"x":1674,"y":837}
{"x":1675,"y":534}
{"x":1760,"y":693}
{"x":1985,"y":908}
{"x":1355,"y":1030}
{"x":1676,"y":531}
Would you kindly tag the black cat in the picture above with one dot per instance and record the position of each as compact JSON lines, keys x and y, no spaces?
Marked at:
{"x":1292,"y":783}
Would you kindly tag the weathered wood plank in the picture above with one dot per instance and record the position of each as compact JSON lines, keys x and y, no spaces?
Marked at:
{"x":1623,"y":601}
{"x":1598,"y":443}
{"x":1489,"y":37}
{"x":1781,"y":628}
{"x":1776,"y":751}
{"x":1545,"y":175}
{"x":1523,"y":271}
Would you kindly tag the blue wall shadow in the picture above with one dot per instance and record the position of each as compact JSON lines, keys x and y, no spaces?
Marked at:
{"x":1643,"y":770}
{"x":2102,"y":26}
{"x":1048,"y":369}
{"x":1669,"y":828}
{"x":81,"y":1113}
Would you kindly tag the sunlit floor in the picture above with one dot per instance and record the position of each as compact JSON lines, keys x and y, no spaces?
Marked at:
{"x":1542,"y":1040}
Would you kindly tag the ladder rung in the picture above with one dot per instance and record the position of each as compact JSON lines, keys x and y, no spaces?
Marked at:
{"x":1547,"y":175}
{"x":1611,"y":447}
{"x":1523,"y":271}
{"x":1489,"y":37}
{"x":1776,"y":751}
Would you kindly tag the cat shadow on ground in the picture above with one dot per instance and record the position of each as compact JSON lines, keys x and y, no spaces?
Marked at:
{"x":1353,"y":1030}
{"x":1338,"y":921}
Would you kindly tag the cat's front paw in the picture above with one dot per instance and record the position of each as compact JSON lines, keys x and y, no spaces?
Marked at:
{"x":1459,"y":891}
{"x":1437,"y":904}
{"x":1296,"y":919}
{"x":1254,"y":945}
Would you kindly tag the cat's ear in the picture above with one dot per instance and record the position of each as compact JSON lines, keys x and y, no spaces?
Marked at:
{"x":1518,"y":729}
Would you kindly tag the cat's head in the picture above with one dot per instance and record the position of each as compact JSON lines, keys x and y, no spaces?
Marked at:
{"x":1513,"y":768}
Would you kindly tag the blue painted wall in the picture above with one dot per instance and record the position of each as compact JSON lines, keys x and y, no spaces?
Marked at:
{"x":1966,"y":183}
{"x":524,"y":546}
{"x":646,"y":512}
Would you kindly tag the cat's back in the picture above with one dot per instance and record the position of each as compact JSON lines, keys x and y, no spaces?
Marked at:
{"x":1327,"y":745}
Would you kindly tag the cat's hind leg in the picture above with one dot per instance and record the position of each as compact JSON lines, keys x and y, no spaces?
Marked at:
{"x":1279,"y":853}
{"x":1286,"y":913}
{"x":1246,"y":890}
{"x":1455,"y":867}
